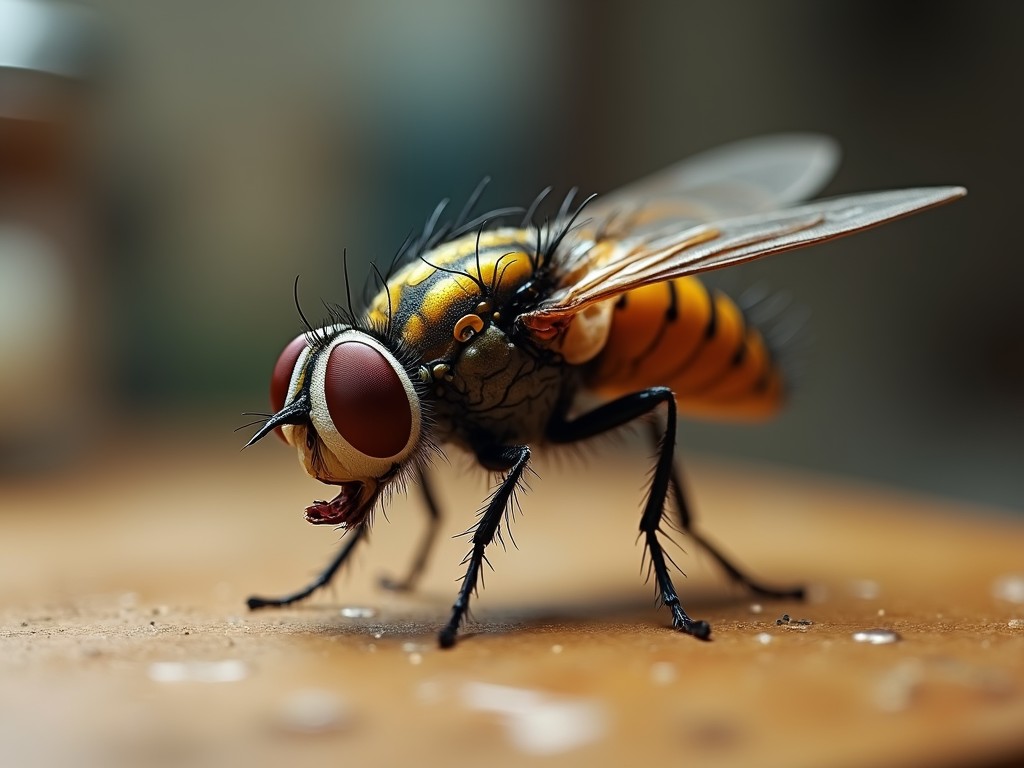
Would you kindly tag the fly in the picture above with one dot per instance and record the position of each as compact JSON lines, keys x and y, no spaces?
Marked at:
{"x":486,"y":331}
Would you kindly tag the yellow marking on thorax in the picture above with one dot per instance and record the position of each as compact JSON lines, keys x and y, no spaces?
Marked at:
{"x":447,"y":254}
{"x":505,"y":270}
{"x":414,"y":330}
{"x":498,"y":270}
{"x":448,"y":292}
{"x":418,"y":272}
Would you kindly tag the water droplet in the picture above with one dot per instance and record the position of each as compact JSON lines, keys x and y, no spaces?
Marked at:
{"x":313,"y":710}
{"x":358,"y":612}
{"x":537,"y":723}
{"x":1009,"y":588}
{"x":876,"y":636}
{"x":763,"y":638}
{"x":865,"y":589}
{"x":663,"y":673}
{"x":229,"y":671}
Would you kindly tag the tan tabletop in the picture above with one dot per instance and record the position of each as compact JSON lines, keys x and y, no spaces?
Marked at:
{"x":124,"y":639}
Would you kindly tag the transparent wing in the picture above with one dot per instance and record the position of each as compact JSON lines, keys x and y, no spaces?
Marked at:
{"x":612,"y":267}
{"x":760,"y":174}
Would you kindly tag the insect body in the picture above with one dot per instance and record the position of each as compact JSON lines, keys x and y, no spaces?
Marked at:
{"x":485,"y":334}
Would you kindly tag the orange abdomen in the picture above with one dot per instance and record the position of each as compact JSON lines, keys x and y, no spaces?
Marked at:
{"x":679,"y":334}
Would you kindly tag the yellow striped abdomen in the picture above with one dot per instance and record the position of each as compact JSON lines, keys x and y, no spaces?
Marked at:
{"x":680,"y":335}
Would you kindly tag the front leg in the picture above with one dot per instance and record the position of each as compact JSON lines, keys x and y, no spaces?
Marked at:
{"x":615,"y":414}
{"x":513,"y":460}
{"x":348,"y":544}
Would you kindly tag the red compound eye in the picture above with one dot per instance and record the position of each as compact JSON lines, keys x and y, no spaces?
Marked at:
{"x":367,"y":401}
{"x":282,"y":375}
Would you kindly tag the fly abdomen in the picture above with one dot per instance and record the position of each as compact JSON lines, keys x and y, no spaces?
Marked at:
{"x":681,"y":335}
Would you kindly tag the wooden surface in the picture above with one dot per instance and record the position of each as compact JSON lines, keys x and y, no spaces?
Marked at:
{"x":124,"y":577}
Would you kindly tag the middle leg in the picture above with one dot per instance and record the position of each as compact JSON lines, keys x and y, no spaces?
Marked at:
{"x":615,"y":414}
{"x":737,"y":574}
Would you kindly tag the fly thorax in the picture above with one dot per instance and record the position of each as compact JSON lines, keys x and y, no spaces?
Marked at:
{"x":490,"y":352}
{"x":499,"y":392}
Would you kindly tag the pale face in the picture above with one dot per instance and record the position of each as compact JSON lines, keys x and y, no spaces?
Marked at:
{"x":350,"y":409}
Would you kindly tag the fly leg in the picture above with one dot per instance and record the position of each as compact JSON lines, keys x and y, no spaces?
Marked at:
{"x":733,"y":571}
{"x":419,"y":562}
{"x":348,"y":544}
{"x":615,"y":414}
{"x":511,"y":460}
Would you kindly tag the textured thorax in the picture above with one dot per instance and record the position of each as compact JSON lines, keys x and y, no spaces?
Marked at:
{"x":427,"y":297}
{"x":498,"y":392}
{"x":452,"y":308}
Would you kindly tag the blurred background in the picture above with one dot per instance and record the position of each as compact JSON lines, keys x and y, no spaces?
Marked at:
{"x":167,"y":169}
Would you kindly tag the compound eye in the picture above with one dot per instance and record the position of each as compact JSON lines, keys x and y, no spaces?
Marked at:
{"x":281,"y":378}
{"x":367,"y":400}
